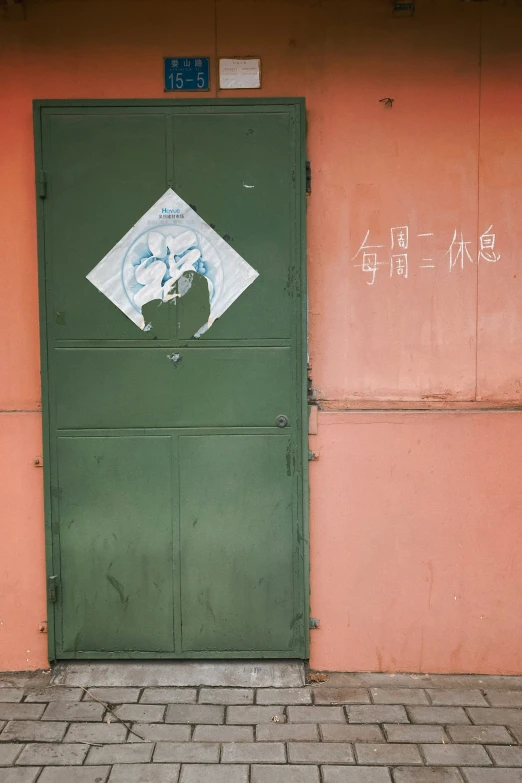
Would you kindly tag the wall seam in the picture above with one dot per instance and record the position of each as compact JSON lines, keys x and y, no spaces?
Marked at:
{"x":479,"y":151}
{"x":21,"y":410}
{"x":216,"y":50}
{"x":421,"y":410}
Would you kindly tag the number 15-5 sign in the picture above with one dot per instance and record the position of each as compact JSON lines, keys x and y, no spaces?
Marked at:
{"x":187,"y":74}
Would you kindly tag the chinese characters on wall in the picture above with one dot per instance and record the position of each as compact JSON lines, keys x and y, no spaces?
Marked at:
{"x":396,"y":259}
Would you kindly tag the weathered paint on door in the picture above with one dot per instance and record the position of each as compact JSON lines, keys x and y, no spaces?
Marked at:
{"x":175,"y":502}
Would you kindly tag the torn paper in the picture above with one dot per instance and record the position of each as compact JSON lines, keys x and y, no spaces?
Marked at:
{"x":170,"y":240}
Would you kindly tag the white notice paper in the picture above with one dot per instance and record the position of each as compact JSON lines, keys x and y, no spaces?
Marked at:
{"x":171,"y":243}
{"x":236,"y":74}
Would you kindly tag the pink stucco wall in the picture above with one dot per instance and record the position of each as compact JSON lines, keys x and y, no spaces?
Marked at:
{"x":417,"y":542}
{"x":23,"y":611}
{"x":414,"y":515}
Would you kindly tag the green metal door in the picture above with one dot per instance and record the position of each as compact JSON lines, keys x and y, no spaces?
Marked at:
{"x":176,"y":512}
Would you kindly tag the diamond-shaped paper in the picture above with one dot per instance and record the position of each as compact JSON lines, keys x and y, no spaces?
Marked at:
{"x":169,"y":241}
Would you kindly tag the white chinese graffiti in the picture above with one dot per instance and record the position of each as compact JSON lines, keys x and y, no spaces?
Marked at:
{"x":487,"y":247}
{"x":369,"y":261}
{"x":370,"y":256}
{"x":458,"y":251}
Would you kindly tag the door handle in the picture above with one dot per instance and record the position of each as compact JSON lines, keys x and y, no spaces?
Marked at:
{"x":282,"y":421}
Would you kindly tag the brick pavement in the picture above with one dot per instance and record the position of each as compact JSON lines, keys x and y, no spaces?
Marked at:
{"x":353,"y":728}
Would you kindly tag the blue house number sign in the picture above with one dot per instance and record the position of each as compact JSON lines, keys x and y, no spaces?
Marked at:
{"x":187,"y":73}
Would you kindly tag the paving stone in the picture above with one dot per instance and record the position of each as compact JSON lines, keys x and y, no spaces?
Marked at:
{"x":145,"y":773}
{"x":144,"y":713}
{"x":316,"y":715}
{"x":376,"y":713}
{"x":8,"y":753}
{"x":160,"y":732}
{"x":401,"y":733}
{"x":283,"y":696}
{"x":506,"y":757}
{"x":199,"y":713}
{"x":33,"y":731}
{"x":399,"y":696}
{"x":75,"y":775}
{"x":43,"y":754}
{"x":71,"y":711}
{"x":253,"y":753}
{"x":457,"y":698}
{"x":15,"y":679}
{"x":94,"y":733}
{"x":320,"y":753}
{"x":427,"y":775}
{"x":484,"y":716}
{"x":12,"y":695}
{"x":380,"y":680}
{"x":356,"y":775}
{"x":495,"y":698}
{"x":440,"y":715}
{"x":515,"y":730}
{"x":21,"y":711}
{"x":226,"y":696}
{"x":341,"y":696}
{"x":113,"y":695}
{"x":287,"y":732}
{"x":335,"y":732}
{"x":21,"y":775}
{"x":223,"y":773}
{"x":121,"y":754}
{"x":187,"y":752}
{"x":456,"y":755}
{"x":490,"y":775}
{"x":469,"y":681}
{"x":224,"y":733}
{"x":246,"y":715}
{"x":387,"y":754}
{"x":481,"y":734}
{"x":169,"y":696}
{"x":55,"y":693}
{"x":277,"y":774}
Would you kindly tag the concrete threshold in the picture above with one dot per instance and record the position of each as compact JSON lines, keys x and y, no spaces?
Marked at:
{"x":228,"y":674}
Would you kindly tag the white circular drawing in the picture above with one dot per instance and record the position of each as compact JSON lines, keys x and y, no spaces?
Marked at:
{"x":158,"y":259}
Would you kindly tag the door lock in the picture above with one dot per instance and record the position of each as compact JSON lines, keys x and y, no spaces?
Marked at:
{"x":282,"y":421}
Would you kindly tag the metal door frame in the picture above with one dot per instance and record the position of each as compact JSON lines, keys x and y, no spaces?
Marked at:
{"x":51,"y":540}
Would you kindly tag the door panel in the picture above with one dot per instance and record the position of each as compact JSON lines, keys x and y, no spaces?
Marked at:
{"x":250,"y":202}
{"x":105,"y":174}
{"x":177,"y":514}
{"x":116,"y":542}
{"x":205,"y":387}
{"x":236,"y":546}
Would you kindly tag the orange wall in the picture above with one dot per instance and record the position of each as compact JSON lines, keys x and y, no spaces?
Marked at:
{"x":414,"y":516}
{"x":417,"y":542}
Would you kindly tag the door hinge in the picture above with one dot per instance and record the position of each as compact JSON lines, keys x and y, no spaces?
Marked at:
{"x":41,"y":183}
{"x":310,"y":385}
{"x":308,"y":177}
{"x":53,"y":586}
{"x":314,"y":622}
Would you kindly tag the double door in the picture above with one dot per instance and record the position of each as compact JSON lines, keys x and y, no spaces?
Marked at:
{"x":175,"y":498}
